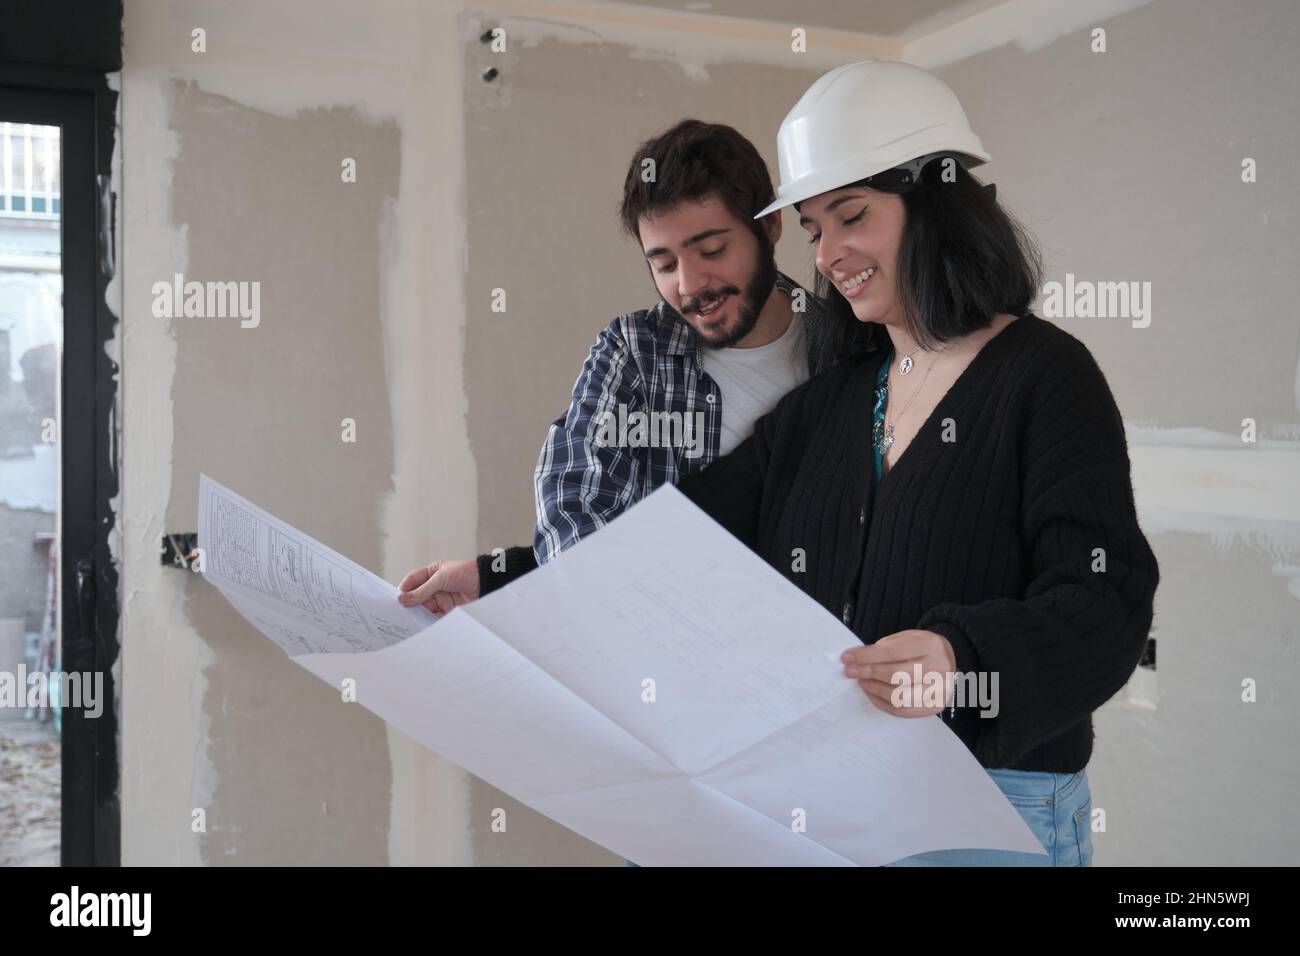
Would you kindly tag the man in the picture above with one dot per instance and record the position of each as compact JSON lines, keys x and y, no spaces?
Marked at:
{"x":665,"y":391}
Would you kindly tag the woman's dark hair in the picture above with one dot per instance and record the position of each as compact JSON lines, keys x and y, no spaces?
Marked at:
{"x":962,"y":260}
{"x":692,"y":160}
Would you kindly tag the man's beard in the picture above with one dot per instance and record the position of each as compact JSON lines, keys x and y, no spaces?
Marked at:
{"x":757,"y":291}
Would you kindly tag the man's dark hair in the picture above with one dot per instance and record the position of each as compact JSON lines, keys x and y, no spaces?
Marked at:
{"x":962,"y":260}
{"x":693,"y":160}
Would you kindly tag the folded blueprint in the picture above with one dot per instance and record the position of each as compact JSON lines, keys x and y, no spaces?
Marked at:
{"x":657,"y":688}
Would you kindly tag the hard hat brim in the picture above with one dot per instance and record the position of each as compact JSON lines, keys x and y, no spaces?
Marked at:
{"x":853,"y":170}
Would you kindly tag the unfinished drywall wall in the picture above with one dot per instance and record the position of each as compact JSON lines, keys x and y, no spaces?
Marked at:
{"x":1127,"y":164}
{"x":288,"y":402}
{"x":233,"y":171}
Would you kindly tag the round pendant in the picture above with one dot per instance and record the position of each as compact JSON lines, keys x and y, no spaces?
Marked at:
{"x":906,"y":366}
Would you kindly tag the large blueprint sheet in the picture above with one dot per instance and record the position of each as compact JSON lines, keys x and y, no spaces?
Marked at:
{"x":658,"y":688}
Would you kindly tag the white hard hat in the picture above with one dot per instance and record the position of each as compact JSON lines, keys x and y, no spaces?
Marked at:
{"x":864,"y":118}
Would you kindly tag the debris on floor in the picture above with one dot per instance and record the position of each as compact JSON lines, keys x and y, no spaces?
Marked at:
{"x":30,"y":774}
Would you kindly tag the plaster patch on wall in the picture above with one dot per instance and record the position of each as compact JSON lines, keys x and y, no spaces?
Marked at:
{"x":113,"y":349}
{"x":693,"y":70}
{"x":262,"y":408}
{"x":1205,"y":482}
{"x":1192,"y":437}
{"x":165,"y":772}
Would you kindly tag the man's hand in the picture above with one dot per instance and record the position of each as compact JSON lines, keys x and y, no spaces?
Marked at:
{"x":441,"y":586}
{"x":890,"y":664}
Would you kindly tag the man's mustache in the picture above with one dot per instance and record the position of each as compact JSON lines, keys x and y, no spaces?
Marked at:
{"x":702,"y":302}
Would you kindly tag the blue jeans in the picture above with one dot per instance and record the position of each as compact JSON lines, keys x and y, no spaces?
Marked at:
{"x":1056,"y":806}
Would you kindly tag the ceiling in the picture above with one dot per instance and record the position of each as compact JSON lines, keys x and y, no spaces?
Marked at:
{"x":889,"y":18}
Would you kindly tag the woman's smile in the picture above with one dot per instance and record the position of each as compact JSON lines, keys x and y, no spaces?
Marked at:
{"x":853,"y":286}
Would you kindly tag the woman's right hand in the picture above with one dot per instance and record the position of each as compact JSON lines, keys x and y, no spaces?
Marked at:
{"x":441,"y":586}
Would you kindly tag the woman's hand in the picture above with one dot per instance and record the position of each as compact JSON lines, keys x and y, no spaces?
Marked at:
{"x":886,"y":670}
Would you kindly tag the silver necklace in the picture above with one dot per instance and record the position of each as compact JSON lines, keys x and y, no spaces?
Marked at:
{"x":887,"y":441}
{"x":906,"y":365}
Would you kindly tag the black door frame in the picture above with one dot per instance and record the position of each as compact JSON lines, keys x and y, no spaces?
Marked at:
{"x":80,"y":102}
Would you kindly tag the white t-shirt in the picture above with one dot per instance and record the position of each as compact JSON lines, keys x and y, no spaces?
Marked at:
{"x":752,"y":380}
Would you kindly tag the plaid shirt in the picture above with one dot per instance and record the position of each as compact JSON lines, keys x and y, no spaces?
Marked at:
{"x":646,"y":361}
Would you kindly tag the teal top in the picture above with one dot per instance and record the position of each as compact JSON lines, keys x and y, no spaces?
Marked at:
{"x":878,"y":418}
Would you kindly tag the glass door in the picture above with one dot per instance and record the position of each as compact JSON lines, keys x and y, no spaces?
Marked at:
{"x":31,"y":360}
{"x":59,"y":772}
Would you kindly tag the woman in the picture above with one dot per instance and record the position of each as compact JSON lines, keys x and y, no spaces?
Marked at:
{"x":956,"y":488}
